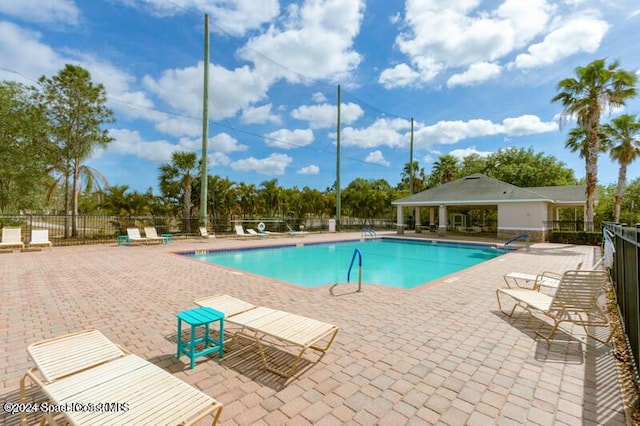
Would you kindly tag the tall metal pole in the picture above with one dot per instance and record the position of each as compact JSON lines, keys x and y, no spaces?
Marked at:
{"x":338,"y":192}
{"x":411,"y":160}
{"x":204,"y":174}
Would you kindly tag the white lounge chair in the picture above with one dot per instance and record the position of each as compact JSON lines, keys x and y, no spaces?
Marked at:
{"x":151,"y":235}
{"x":135,"y":237}
{"x":574,"y":301}
{"x":39,"y":238}
{"x":204,"y":234}
{"x":258,"y":323}
{"x":87,"y":367}
{"x":11,"y":237}
{"x":240,"y":232}
{"x":547,"y":279}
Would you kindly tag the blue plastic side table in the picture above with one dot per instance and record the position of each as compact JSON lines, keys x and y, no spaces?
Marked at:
{"x":167,"y":238}
{"x":195,"y":318}
{"x":123,"y":240}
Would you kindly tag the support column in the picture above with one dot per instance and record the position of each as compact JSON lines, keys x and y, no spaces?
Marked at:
{"x":418,"y":224}
{"x":400,"y":224}
{"x":432,"y":218}
{"x":442,"y":220}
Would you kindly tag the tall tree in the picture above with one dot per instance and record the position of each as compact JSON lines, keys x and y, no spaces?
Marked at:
{"x":24,"y":153}
{"x":597,"y":86}
{"x":419,"y":178}
{"x":444,"y":169}
{"x":176,"y":179}
{"x":526,"y":168}
{"x":76,"y":108}
{"x":624,"y":134}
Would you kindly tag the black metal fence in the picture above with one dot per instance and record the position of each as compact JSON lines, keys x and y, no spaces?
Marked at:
{"x":625,"y":278}
{"x":67,"y":230}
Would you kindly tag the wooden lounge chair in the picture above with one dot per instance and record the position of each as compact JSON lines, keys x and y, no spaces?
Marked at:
{"x":258,"y":323}
{"x":11,"y":237}
{"x":87,"y":367}
{"x":135,"y":237}
{"x":574,"y":301}
{"x":151,"y":235}
{"x":39,"y":238}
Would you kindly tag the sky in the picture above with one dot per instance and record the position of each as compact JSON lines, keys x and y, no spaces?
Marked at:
{"x":473,"y":76}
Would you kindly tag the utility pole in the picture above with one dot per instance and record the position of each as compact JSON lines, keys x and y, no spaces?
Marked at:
{"x":411,"y":160}
{"x":204,"y":174}
{"x":338,"y":192}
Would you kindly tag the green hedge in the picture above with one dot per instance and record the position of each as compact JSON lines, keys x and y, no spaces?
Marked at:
{"x":576,"y":237}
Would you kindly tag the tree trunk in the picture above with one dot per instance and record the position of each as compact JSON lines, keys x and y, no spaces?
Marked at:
{"x":75,"y":195}
{"x":622,"y":177}
{"x":591,"y":166}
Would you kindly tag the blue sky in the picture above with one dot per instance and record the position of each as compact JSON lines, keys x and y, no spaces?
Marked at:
{"x":475,"y":76}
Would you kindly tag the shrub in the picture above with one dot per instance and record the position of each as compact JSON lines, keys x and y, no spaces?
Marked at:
{"x":589,"y":238}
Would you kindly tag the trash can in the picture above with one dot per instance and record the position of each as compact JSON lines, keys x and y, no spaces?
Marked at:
{"x":332,"y":225}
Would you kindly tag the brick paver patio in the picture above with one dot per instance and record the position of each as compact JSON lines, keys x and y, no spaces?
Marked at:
{"x":440,"y":354}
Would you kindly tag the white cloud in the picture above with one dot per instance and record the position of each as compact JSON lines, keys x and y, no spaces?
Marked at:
{"x":383,"y":132}
{"x":289,"y":139}
{"x":326,"y":115}
{"x":129,"y":142}
{"x":50,"y":11}
{"x":235,"y":17}
{"x":319,"y":97}
{"x":581,"y":34}
{"x":527,"y":125}
{"x":477,"y":73}
{"x":399,"y":76}
{"x":225,"y":143}
{"x":275,"y":164}
{"x":442,"y":35}
{"x":376,"y":157}
{"x":24,"y":53}
{"x":259,"y":115}
{"x":464,"y":152}
{"x":451,"y":132}
{"x":315,"y":40}
{"x":234,"y":89}
{"x":311,"y":169}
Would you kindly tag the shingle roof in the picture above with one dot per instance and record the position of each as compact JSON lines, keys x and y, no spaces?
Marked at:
{"x":481,"y":189}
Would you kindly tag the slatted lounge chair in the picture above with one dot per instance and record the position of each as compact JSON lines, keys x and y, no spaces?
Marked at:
{"x":60,"y":356}
{"x":103,"y":372}
{"x":135,"y":237}
{"x":11,"y":238}
{"x":547,"y":279}
{"x":39,"y":238}
{"x":151,"y":235}
{"x":240,"y":232}
{"x":258,"y":323}
{"x":204,"y":234}
{"x":574,"y":301}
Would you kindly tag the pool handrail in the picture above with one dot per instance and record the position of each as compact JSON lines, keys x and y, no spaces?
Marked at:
{"x":366,"y":230}
{"x":353,"y":258}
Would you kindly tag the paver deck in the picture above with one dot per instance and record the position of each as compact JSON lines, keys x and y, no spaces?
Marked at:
{"x":439,"y":354}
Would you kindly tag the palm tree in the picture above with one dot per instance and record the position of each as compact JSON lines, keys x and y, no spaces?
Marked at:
{"x":176,"y":179}
{"x":419,"y":178}
{"x":624,"y":134}
{"x":595,"y":88}
{"x":578,"y":141}
{"x":271,"y":196}
{"x":445,"y":169}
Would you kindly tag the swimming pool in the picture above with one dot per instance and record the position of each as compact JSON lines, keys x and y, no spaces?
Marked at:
{"x":387,"y":261}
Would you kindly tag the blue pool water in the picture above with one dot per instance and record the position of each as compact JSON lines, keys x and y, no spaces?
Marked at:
{"x":391,"y":262}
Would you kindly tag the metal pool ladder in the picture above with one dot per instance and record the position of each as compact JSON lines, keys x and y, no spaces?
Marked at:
{"x":353,"y":258}
{"x":524,"y":236}
{"x":367,"y":231}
